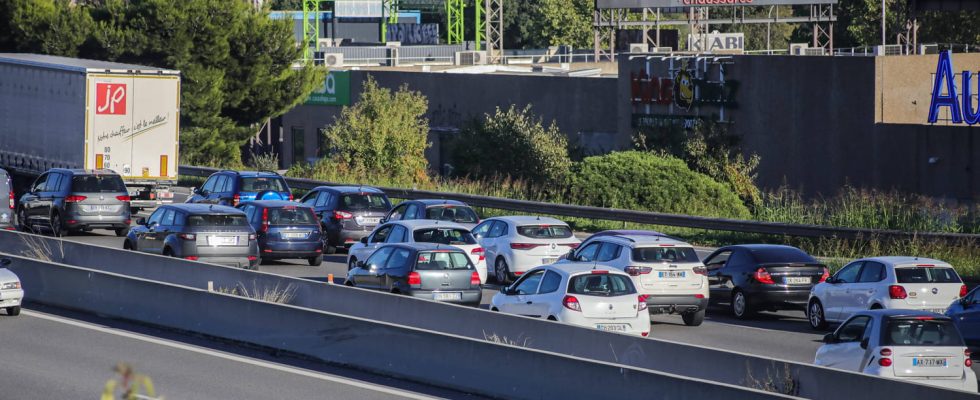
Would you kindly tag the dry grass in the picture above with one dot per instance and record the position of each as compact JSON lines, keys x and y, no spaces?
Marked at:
{"x":781,"y":382}
{"x":274,"y":294}
{"x":39,"y":249}
{"x":494,"y":338}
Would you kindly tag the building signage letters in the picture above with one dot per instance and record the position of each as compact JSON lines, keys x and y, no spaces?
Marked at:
{"x":944,"y":95}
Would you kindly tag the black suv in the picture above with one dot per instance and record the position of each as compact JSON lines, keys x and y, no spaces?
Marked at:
{"x":67,"y":200}
{"x":347,"y":213}
{"x":229,"y":188}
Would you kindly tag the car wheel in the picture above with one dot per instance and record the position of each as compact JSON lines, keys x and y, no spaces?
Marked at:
{"x":328,"y":249}
{"x":315,"y":261}
{"x":56,"y":228}
{"x":168,"y":253}
{"x":13,"y":311}
{"x":127,"y":246}
{"x":693,"y":318}
{"x":501,"y":272}
{"x":740,"y":305}
{"x":351,"y":263}
{"x":122,"y":232}
{"x":814,"y":313}
{"x":22,"y":220}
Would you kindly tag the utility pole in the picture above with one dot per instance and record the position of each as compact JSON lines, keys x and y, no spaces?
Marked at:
{"x":883,"y":22}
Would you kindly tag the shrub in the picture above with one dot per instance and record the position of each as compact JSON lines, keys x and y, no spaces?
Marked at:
{"x":643,"y":181}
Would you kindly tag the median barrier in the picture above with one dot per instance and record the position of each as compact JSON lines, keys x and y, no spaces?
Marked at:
{"x":429,"y":357}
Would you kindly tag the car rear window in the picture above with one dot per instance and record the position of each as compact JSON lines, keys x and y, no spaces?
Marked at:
{"x":97,"y":184}
{"x":259,"y":183}
{"x":364,"y":201}
{"x":465,"y":215}
{"x":782,"y":255}
{"x":601,"y":285}
{"x":291,"y":216}
{"x":926,"y":275}
{"x":451,"y":236}
{"x":216,"y":220}
{"x":921,"y":331}
{"x":545,"y":231}
{"x":442,"y":260}
{"x":665,"y":254}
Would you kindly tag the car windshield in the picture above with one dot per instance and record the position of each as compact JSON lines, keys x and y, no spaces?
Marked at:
{"x":665,"y":254}
{"x":465,"y":215}
{"x":291,"y":216}
{"x":451,"y":236}
{"x":258,"y":184}
{"x":927,"y":275}
{"x":442,"y":260}
{"x":97,"y":184}
{"x":216,"y":220}
{"x":364,"y":201}
{"x":781,"y":255}
{"x":545,"y":231}
{"x":921,"y":331}
{"x":601,"y":285}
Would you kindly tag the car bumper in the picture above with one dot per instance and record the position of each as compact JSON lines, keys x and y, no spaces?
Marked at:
{"x":237,"y":262}
{"x":11,"y":298}
{"x":470,"y":296}
{"x":674,"y":304}
{"x":967,"y":382}
{"x":142,"y":204}
{"x":637,"y":326}
{"x":291,"y":250}
{"x":795,"y":299}
{"x":97,"y":221}
{"x":346,"y":238}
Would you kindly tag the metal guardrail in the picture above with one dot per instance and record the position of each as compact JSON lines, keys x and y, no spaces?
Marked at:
{"x":641,"y":217}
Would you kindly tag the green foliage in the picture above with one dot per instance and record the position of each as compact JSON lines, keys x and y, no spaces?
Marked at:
{"x":43,"y":26}
{"x":636,"y":180}
{"x":384,"y":134}
{"x":512,"y":143}
{"x":565,"y":22}
{"x":859,"y":24}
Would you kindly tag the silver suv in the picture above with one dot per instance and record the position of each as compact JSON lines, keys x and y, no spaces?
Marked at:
{"x":198,"y":232}
{"x":66,"y":200}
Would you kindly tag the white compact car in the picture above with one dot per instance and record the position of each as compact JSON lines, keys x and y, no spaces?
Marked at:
{"x":665,"y":269}
{"x":514,"y":245}
{"x":11,"y":294}
{"x":903,"y":344}
{"x":420,"y":231}
{"x":585,"y":294}
{"x":884,"y":282}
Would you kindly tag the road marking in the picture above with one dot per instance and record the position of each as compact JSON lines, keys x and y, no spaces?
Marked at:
{"x":230,"y":357}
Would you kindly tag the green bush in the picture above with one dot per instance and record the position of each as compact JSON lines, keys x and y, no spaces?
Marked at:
{"x":636,"y":180}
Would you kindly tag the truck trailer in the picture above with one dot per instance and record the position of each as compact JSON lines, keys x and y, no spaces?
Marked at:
{"x":60,"y":112}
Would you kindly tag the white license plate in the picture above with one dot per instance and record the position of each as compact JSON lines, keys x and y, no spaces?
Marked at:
{"x":448,"y":296}
{"x":223,"y":240}
{"x":611,"y":327}
{"x":931,"y":362}
{"x":938,"y":310}
{"x":671,"y":274}
{"x":797,"y":280}
{"x":294,"y":235}
{"x":369,"y":221}
{"x":100,"y":208}
{"x":549,"y":260}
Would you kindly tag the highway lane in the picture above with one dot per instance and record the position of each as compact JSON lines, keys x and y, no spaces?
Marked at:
{"x":56,"y":354}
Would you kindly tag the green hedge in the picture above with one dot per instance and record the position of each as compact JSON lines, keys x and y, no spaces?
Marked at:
{"x":635,"y":180}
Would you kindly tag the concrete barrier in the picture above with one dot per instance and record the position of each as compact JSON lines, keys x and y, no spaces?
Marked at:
{"x":804,"y":380}
{"x":435,"y":358}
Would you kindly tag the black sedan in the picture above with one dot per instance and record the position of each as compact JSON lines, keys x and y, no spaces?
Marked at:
{"x":755,"y":277}
{"x":424,"y":270}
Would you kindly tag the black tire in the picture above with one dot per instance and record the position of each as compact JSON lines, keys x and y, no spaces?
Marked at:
{"x":501,"y":272}
{"x":57,"y":230}
{"x":122,"y":232}
{"x":815,"y":315}
{"x":22,"y":220}
{"x":168,"y":253}
{"x":13,"y":311}
{"x":127,"y":245}
{"x":693,"y":318}
{"x":328,"y":249}
{"x":315,"y":261}
{"x":741,"y":308}
{"x":350,"y":263}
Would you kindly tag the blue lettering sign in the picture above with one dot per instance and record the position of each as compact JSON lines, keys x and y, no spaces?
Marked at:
{"x":969,"y":115}
{"x":944,"y":73}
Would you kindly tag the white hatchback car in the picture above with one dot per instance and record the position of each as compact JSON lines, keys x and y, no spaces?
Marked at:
{"x":884,"y":282}
{"x":11,"y":294}
{"x":585,"y":294}
{"x":420,"y":231}
{"x":918,"y":346}
{"x":514,"y":245}
{"x":665,"y":269}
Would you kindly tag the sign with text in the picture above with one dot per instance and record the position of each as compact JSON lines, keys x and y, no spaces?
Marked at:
{"x":334,"y":92}
{"x":730,"y":43}
{"x":959,"y":106}
{"x":703,"y":3}
{"x":110,"y":98}
{"x":358,"y":8}
{"x":680,"y":90}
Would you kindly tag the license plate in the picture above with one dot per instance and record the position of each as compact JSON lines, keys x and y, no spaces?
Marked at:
{"x":223,"y":240}
{"x":929,"y":362}
{"x":549,"y":260}
{"x":294,"y":235}
{"x":611,"y":327}
{"x":671,"y":274}
{"x":100,"y":208}
{"x":448,"y":296}
{"x":796,"y":280}
{"x":938,"y":310}
{"x":369,"y":221}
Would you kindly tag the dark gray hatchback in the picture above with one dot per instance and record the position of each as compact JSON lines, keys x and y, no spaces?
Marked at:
{"x":424,"y":270}
{"x":208,"y":233}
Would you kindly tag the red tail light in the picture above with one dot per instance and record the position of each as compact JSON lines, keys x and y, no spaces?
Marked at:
{"x":644,"y":334}
{"x":11,"y":193}
{"x":826,"y":274}
{"x":897,"y":292}
{"x":290,"y":197}
{"x":642,"y":305}
{"x":123,"y":198}
{"x":478,"y":252}
{"x":74,"y":199}
{"x":414,"y":279}
{"x":963,"y":291}
{"x":762,"y":276}
{"x":475,"y":279}
{"x":637,"y":271}
{"x":192,"y":258}
{"x":524,"y":246}
{"x":236,"y":199}
{"x":599,"y":272}
{"x":571,"y":303}
{"x":342,"y":215}
{"x":968,"y":362}
{"x":884,"y":361}
{"x":187,"y":236}
{"x":252,"y":258}
{"x":573,"y":245}
{"x":701,"y":271}
{"x":265,"y":220}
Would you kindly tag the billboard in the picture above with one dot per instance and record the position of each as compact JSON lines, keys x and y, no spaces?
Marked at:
{"x":702,"y":3}
{"x":680,"y":91}
{"x":732,"y":43}
{"x":334,"y":92}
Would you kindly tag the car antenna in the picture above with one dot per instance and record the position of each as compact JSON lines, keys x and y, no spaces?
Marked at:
{"x":594,"y":264}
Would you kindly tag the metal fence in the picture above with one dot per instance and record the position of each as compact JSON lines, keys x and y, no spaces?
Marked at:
{"x":640,"y":217}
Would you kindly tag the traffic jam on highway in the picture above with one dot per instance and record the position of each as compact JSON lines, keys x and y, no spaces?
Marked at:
{"x":898,"y":317}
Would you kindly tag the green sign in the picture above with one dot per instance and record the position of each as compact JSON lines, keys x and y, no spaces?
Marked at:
{"x":335,"y":90}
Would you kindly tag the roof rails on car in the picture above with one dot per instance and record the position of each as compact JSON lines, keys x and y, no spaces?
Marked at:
{"x":268,"y":171}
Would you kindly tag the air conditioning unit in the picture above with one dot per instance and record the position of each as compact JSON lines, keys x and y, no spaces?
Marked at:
{"x":391,"y":56}
{"x":797,"y":49}
{"x":471,"y":58}
{"x":324,"y":43}
{"x":333,"y":60}
{"x":889,"y":50}
{"x":638,"y":48}
{"x":928,"y":49}
{"x":662,"y":50}
{"x":814,"y":51}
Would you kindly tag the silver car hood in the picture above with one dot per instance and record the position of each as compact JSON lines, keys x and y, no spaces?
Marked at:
{"x":7,"y":275}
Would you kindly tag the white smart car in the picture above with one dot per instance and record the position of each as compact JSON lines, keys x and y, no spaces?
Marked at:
{"x":420,"y":231}
{"x":11,"y":294}
{"x":910,"y":345}
{"x":585,"y":294}
{"x":514,"y":245}
{"x":884,"y":282}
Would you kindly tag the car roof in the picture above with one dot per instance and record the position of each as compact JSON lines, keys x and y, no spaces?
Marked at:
{"x":898,"y":313}
{"x":277,"y":203}
{"x":252,"y":174}
{"x":644,"y":241}
{"x":205,"y":209}
{"x":350,"y":189}
{"x":439,"y":202}
{"x":903,"y":260}
{"x":572,"y":268}
{"x":79,"y":171}
{"x":426,"y":246}
{"x":530,"y":220}
{"x":414,"y":224}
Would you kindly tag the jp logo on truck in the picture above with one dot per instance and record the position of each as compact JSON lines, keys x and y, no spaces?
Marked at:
{"x":110,"y":98}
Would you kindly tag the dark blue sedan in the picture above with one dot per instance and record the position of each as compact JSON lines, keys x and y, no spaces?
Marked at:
{"x":285,"y":229}
{"x":965,"y":313}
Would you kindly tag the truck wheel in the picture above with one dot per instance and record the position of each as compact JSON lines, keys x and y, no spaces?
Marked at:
{"x":13,"y":311}
{"x":693,"y":318}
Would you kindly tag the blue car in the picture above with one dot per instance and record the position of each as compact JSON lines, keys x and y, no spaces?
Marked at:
{"x":965,"y":314}
{"x":285,"y":230}
{"x":231,"y":188}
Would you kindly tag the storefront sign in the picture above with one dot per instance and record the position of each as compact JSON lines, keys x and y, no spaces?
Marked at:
{"x":732,"y":43}
{"x":944,"y":95}
{"x":679,"y":90}
{"x":334,"y":92}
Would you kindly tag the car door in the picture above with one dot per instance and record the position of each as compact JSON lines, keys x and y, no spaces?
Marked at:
{"x":588,"y":253}
{"x":146,"y":239}
{"x":370,"y":275}
{"x":495,"y":242}
{"x":965,"y":313}
{"x":863,"y":291}
{"x":30,"y":200}
{"x":201,"y":194}
{"x":374,"y":241}
{"x":396,"y":214}
{"x":719,"y":284}
{"x":838,"y":305}
{"x":846,"y":352}
{"x":51,"y":197}
{"x":395,"y":269}
{"x":539,"y":305}
{"x":221,"y":194}
{"x":166,"y":227}
{"x":524,"y":291}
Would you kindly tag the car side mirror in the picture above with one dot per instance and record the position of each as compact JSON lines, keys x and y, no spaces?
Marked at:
{"x":140,"y":221}
{"x":829,"y":338}
{"x":194,"y":190}
{"x":359,"y":264}
{"x":4,"y":262}
{"x":864,"y":343}
{"x":383,"y":220}
{"x":831,"y":280}
{"x":364,"y":240}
